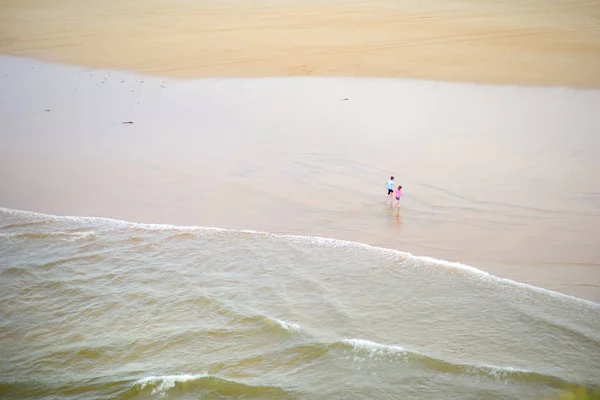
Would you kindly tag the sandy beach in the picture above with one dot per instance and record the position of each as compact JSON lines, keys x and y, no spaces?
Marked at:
{"x":502,"y":179}
{"x":355,"y":132}
{"x":192,"y":199}
{"x":506,"y":42}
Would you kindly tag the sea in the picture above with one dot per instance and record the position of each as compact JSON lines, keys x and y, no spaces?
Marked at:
{"x":228,"y":238}
{"x":94,"y":308}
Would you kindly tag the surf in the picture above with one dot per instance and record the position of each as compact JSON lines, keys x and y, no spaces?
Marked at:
{"x":400,"y":256}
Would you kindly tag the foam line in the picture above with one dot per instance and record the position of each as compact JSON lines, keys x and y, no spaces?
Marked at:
{"x":308,"y":239}
{"x":165,"y":382}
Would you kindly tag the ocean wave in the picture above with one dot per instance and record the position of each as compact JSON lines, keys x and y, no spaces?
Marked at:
{"x":65,"y":260}
{"x":578,"y":333}
{"x":270,"y":323}
{"x":258,"y":325}
{"x":16,"y":271}
{"x":69,"y":236}
{"x":247,"y":318}
{"x":160,"y":385}
{"x":25,"y":224}
{"x":366,"y":349}
{"x":361,"y":351}
{"x":374,"y":348}
{"x":288,"y":326}
{"x":109,"y":223}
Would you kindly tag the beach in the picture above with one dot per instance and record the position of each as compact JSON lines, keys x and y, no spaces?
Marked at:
{"x":192,"y":199}
{"x":506,"y":42}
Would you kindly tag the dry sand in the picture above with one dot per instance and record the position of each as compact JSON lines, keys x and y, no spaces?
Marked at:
{"x":539,"y":42}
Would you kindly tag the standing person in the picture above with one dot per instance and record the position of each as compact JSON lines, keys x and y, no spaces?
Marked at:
{"x":390,"y":188}
{"x":398,"y":194}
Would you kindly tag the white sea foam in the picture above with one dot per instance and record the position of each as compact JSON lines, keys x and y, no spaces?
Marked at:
{"x":288,"y":326}
{"x":314,"y":240}
{"x":7,"y":235}
{"x":82,"y":235}
{"x":73,"y":236}
{"x":165,"y":382}
{"x":374,"y":348}
{"x":499,"y":371}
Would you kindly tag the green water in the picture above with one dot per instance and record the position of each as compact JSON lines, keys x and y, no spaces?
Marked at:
{"x":95,"y":309}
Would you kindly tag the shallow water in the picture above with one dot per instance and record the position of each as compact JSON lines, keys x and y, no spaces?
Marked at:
{"x":502,"y":178}
{"x":98,"y":308}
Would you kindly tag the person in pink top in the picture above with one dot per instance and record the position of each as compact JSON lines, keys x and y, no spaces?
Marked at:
{"x":398,"y":194}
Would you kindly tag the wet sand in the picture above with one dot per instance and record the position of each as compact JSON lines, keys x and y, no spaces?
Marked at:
{"x":509,"y":42}
{"x":500,"y":178}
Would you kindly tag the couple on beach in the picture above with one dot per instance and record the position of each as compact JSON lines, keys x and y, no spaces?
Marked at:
{"x":390,"y":191}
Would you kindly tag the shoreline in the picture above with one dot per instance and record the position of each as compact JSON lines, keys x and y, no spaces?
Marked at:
{"x":320,"y":239}
{"x":193,"y":141}
{"x":538,"y":43}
